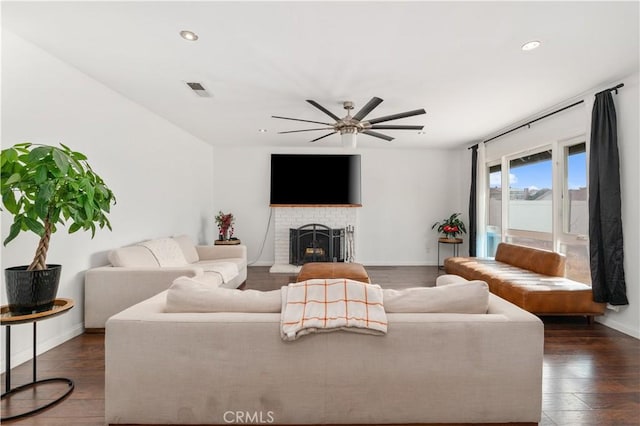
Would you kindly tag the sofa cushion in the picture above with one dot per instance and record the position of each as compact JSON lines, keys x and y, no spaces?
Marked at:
{"x":133,"y":256}
{"x":194,"y":295}
{"x":537,"y":260}
{"x":188,"y":248}
{"x":449,"y":279}
{"x":469,"y":297}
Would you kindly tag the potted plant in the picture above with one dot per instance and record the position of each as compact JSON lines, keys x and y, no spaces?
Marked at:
{"x":225,"y":223}
{"x":451,"y":227}
{"x":43,"y":186}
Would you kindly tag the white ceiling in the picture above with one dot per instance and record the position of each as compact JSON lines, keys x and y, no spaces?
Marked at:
{"x":461,"y":61}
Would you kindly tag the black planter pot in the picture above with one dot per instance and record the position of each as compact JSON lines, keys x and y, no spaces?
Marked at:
{"x":31,"y":291}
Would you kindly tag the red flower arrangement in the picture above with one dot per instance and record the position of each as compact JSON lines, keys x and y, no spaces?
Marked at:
{"x":451,"y":226}
{"x":225,"y":225}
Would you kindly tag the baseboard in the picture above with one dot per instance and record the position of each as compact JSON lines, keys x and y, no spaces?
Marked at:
{"x":611,"y":323}
{"x":26,"y":355}
{"x":397,"y":263}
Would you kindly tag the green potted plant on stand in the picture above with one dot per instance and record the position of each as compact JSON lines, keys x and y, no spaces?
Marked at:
{"x":43,"y":186}
{"x":451,"y":227}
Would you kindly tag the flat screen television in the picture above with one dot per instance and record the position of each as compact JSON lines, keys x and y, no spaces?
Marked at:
{"x":306,"y":179}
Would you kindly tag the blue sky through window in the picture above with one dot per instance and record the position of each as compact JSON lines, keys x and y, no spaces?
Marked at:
{"x":538,"y":175}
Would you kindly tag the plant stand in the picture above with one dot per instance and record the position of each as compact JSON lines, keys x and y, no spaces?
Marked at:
{"x":454,"y":242}
{"x":7,"y":319}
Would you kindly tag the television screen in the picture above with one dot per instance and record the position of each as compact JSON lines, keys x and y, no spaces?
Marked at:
{"x":315,"y":179}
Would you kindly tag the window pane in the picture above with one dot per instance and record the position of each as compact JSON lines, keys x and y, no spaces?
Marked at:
{"x":494,"y":216}
{"x":577,"y":262}
{"x":576,"y":209}
{"x":530,"y":196}
{"x":531,"y":242}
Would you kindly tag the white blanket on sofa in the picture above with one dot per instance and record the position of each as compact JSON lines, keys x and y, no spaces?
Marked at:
{"x":321,"y":305}
{"x":227,"y":270}
{"x":166,"y":251}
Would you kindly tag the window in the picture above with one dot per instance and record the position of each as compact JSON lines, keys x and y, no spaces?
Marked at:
{"x":530,"y":193}
{"x":545,"y":193}
{"x":494,"y":210}
{"x":573,"y":238}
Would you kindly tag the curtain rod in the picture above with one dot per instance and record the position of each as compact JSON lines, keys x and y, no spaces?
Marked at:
{"x":616,"y":87}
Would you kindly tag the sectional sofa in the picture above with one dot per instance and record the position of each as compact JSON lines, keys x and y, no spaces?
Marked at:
{"x":136,"y":273}
{"x":233,"y":367}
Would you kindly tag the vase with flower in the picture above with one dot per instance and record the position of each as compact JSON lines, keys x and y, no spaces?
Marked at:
{"x":451,"y":227}
{"x":225,"y":223}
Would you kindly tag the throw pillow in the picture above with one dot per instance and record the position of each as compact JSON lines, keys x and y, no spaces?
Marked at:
{"x":191,"y":295}
{"x":449,"y":279}
{"x":470,"y":297}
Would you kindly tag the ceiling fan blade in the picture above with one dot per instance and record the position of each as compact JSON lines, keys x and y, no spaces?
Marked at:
{"x":305,"y":130}
{"x":323,"y":109}
{"x":397,"y":116}
{"x":377,"y":135}
{"x":328,"y":134}
{"x":374,"y":102}
{"x":396,"y":127}
{"x":298,"y":119}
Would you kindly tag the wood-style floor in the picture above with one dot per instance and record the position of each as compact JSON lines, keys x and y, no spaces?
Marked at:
{"x":591,"y":372}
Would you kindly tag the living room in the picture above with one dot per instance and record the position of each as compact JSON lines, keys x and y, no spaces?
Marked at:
{"x":172,"y":174}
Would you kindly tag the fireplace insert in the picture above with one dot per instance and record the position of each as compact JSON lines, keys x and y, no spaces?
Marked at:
{"x":316,"y":243}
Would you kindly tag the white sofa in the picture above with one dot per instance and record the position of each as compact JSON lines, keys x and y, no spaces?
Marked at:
{"x":135,"y":274}
{"x":233,"y":367}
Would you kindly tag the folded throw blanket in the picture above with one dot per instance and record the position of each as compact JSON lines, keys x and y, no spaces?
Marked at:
{"x":166,"y":251}
{"x":321,"y":305}
{"x":227,"y":270}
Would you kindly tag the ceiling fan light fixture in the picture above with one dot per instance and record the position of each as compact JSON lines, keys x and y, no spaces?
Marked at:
{"x":349,"y":137}
{"x":189,"y":35}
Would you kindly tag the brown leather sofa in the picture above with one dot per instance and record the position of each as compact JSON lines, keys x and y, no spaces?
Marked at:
{"x":531,"y":278}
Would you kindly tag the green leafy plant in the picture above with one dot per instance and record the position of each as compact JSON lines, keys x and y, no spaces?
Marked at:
{"x":43,"y":186}
{"x":451,"y":226}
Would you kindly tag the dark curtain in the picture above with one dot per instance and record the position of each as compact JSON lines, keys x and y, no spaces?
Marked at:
{"x":472,"y":202}
{"x":605,"y":222}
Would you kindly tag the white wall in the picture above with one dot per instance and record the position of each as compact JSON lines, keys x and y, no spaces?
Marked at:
{"x":161,"y":176}
{"x":404,"y":191}
{"x":628,"y":111}
{"x":575,"y":122}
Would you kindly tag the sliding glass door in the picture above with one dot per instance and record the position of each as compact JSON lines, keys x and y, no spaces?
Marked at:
{"x":538,"y":199}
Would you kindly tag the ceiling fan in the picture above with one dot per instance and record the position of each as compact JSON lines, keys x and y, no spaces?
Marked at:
{"x":349,"y":126}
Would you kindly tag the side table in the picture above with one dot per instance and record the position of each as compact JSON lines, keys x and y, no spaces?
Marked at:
{"x":60,"y":306}
{"x":226,"y":242}
{"x":454,"y":242}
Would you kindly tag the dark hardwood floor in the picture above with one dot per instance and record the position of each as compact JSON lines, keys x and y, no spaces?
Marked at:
{"x":591,"y":372}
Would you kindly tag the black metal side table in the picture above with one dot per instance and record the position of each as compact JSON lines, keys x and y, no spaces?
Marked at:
{"x":60,"y":306}
{"x":454,"y":242}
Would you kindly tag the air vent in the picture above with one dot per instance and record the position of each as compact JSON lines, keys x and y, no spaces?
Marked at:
{"x":198,"y":89}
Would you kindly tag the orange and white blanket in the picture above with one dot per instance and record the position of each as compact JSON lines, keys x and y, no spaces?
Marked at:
{"x":321,"y":305}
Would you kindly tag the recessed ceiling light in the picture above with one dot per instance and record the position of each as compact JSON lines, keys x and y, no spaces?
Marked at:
{"x":188,"y":35}
{"x":262,"y":130}
{"x":530,"y":45}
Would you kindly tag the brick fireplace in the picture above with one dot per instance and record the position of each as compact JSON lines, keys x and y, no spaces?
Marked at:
{"x":287,"y":218}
